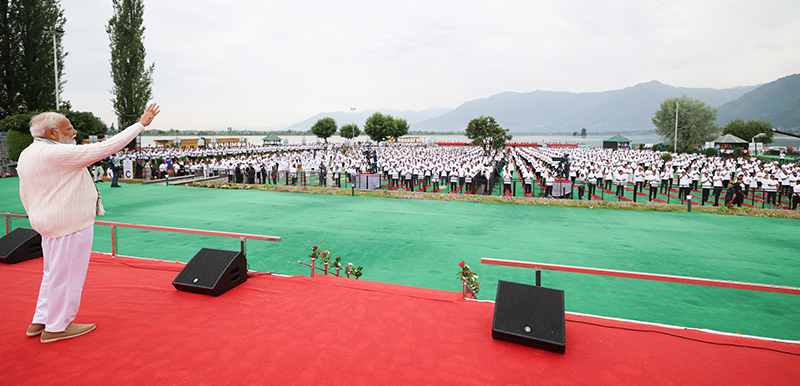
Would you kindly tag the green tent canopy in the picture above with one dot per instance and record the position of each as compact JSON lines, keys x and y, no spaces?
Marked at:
{"x":616,"y":142}
{"x":271,"y":139}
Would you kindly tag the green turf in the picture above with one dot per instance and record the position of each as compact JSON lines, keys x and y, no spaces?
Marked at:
{"x":419,"y":243}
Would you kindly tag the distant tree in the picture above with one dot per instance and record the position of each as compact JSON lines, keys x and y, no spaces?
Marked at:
{"x":349,"y":131}
{"x":748,"y":130}
{"x":398,"y":128}
{"x":17,"y":142}
{"x":18,"y":128}
{"x":486,"y":132}
{"x":583,"y":132}
{"x":574,"y":133}
{"x":379,"y":127}
{"x":18,"y":136}
{"x":86,"y":124}
{"x":695,"y":122}
{"x":17,"y":122}
{"x":26,"y":55}
{"x":324,"y":128}
{"x":132,"y":80}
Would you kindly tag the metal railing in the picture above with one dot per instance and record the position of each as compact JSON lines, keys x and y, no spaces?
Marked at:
{"x":9,"y":216}
{"x":647,"y":276}
{"x":467,"y":292}
{"x":114,"y":225}
{"x":325,"y":270}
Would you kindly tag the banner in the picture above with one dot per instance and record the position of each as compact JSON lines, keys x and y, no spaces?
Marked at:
{"x":127,"y":169}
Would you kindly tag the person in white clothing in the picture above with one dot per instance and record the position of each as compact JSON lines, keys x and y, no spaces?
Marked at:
{"x":770,"y":186}
{"x":706,"y":183}
{"x":717,"y":183}
{"x":162,"y":170}
{"x":653,"y":180}
{"x":549,"y":181}
{"x":638,"y":179}
{"x":795,"y":195}
{"x":62,"y":201}
{"x":685,"y":185}
{"x":98,"y":172}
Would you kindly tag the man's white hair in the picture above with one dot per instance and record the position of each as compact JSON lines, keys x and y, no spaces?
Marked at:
{"x":42,"y":122}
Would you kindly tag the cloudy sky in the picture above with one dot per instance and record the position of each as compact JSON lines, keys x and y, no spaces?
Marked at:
{"x":261,"y":64}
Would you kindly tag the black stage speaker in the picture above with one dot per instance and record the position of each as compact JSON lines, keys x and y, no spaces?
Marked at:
{"x":212,"y":272}
{"x":20,"y":245}
{"x":529,"y":315}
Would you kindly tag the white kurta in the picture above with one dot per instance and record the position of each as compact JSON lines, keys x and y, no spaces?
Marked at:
{"x":61,"y":200}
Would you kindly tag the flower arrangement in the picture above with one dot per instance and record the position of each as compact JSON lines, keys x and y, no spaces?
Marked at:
{"x":318,"y":253}
{"x":350,"y":270}
{"x":337,"y":263}
{"x":328,"y":261}
{"x":469,"y":278}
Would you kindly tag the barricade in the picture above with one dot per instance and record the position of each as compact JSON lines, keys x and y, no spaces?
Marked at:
{"x":243,"y":237}
{"x":647,"y":276}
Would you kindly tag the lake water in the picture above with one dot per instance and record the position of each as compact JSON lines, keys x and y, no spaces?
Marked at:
{"x":591,"y":140}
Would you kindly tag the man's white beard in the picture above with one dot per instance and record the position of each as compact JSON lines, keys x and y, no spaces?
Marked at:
{"x":66,"y":140}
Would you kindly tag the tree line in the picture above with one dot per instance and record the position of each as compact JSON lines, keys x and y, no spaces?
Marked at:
{"x":483,"y":131}
{"x":30,"y":62}
{"x":378,"y":127}
{"x":696,"y":124}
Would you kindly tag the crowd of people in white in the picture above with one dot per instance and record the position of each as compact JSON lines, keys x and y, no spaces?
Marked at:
{"x":470,"y":169}
{"x":689,"y":171}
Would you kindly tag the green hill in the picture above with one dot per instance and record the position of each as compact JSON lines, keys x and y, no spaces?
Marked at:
{"x":777,"y":102}
{"x":628,"y":109}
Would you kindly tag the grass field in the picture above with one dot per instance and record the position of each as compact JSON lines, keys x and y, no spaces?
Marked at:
{"x":419,"y":243}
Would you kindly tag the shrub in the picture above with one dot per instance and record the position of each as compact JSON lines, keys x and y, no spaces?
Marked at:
{"x":17,"y":142}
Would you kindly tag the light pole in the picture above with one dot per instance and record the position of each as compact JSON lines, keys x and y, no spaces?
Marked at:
{"x":353,"y":110}
{"x":759,"y":135}
{"x":55,"y":32}
{"x":676,"y":127}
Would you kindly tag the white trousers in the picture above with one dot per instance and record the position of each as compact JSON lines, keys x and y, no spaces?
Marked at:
{"x":66,"y":260}
{"x":98,"y":173}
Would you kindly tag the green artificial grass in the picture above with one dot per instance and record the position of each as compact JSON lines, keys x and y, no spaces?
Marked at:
{"x":420,"y":243}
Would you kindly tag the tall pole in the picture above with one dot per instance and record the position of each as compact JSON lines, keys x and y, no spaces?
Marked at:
{"x":676,"y":126}
{"x":55,"y":66}
{"x":55,"y":32}
{"x":353,"y":109}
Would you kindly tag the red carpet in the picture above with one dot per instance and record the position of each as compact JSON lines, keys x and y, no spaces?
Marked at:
{"x":327,"y":330}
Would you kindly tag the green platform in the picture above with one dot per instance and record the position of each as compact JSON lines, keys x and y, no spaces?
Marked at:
{"x":419,"y":243}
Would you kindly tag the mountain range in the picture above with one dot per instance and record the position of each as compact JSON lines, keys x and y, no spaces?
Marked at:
{"x":776,"y":102}
{"x":628,"y":109}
